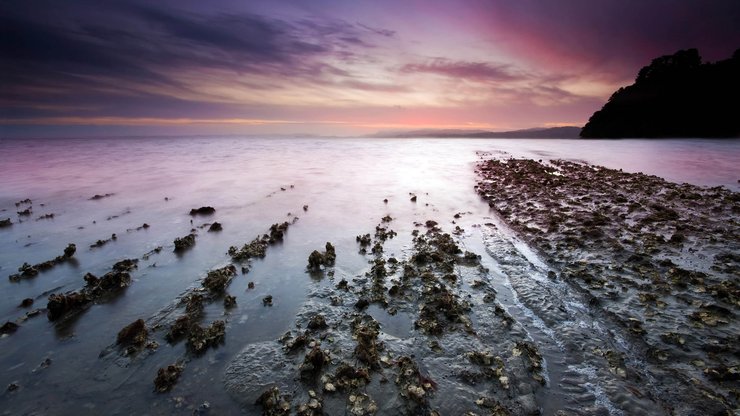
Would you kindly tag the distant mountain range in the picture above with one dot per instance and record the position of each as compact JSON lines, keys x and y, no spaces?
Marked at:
{"x":675,"y":96}
{"x":568,"y":132}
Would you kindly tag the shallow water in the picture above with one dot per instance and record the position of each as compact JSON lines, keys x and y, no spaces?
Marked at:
{"x":253,"y":183}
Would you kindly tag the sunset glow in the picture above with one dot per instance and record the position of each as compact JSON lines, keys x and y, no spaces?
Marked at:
{"x":298,"y":67}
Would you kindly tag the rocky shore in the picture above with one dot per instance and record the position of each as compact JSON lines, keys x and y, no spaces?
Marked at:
{"x":659,"y":260}
{"x":553,"y":288}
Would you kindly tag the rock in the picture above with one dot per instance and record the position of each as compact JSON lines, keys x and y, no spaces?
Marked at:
{"x":347,"y":378}
{"x":530,"y":351}
{"x":110,"y":283}
{"x":412,"y":384}
{"x":62,"y":304}
{"x":377,"y":248}
{"x":179,"y":329}
{"x":317,"y":259}
{"x":202,"y":211}
{"x":97,"y":196}
{"x":361,"y":405}
{"x":8,"y":328}
{"x":330,"y":255}
{"x":295,"y":344}
{"x":364,"y":240}
{"x":317,"y":322}
{"x":257,"y":248}
{"x":91,"y":280}
{"x":25,"y":303}
{"x":134,"y":333}
{"x":126,"y":265}
{"x":5,"y":223}
{"x":382,"y":233}
{"x":216,"y":226}
{"x":167,"y":377}
{"x":273,"y":403}
{"x":267,"y":300}
{"x":184,"y":243}
{"x":217,"y":280}
{"x":314,"y":361}
{"x":277,"y":232}
{"x":367,"y":343}
{"x":229,"y":301}
{"x":193,"y":305}
{"x":199,"y":338}
{"x":27,"y":270}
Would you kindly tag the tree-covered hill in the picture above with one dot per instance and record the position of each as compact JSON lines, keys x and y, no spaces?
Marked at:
{"x":675,"y":96}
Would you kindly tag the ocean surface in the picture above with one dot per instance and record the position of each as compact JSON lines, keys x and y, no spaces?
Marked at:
{"x":252,"y":183}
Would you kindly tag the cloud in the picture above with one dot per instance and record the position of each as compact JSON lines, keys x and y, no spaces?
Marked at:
{"x":474,"y":71}
{"x":110,"y":51}
{"x":612,"y":37}
{"x":383,"y":32}
{"x":267,"y":60}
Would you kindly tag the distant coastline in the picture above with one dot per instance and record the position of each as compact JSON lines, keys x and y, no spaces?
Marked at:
{"x":566,"y":132}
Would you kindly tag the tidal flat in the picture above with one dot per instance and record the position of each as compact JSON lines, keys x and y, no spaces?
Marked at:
{"x":369,"y":276}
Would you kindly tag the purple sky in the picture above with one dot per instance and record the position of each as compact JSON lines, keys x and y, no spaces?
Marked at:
{"x":333,"y":67}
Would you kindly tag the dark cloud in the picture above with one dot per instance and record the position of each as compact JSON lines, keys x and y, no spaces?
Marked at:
{"x":613,"y":35}
{"x":474,"y":71}
{"x":383,"y":32}
{"x":110,"y":50}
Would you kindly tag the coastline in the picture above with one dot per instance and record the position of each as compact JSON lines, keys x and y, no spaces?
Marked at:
{"x":655,"y":258}
{"x":484,"y":334}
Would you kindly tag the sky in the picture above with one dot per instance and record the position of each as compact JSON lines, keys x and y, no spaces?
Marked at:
{"x":333,"y":67}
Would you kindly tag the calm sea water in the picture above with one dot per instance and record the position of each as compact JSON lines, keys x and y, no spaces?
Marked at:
{"x":252,"y":183}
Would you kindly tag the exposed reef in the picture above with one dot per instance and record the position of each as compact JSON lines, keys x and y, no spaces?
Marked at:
{"x":27,"y":271}
{"x":341,"y":359}
{"x":655,"y":258}
{"x":99,"y":196}
{"x":184,"y":243}
{"x":96,"y":289}
{"x":203,"y":211}
{"x":258,"y":247}
{"x":326,"y":258}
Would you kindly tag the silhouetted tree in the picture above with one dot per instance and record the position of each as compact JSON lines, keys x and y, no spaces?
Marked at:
{"x":675,"y":96}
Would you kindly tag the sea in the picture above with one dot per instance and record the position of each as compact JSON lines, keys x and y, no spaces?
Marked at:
{"x":337,"y":188}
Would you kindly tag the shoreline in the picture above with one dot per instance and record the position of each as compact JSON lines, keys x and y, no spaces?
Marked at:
{"x":655,"y":258}
{"x":399,"y":289}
